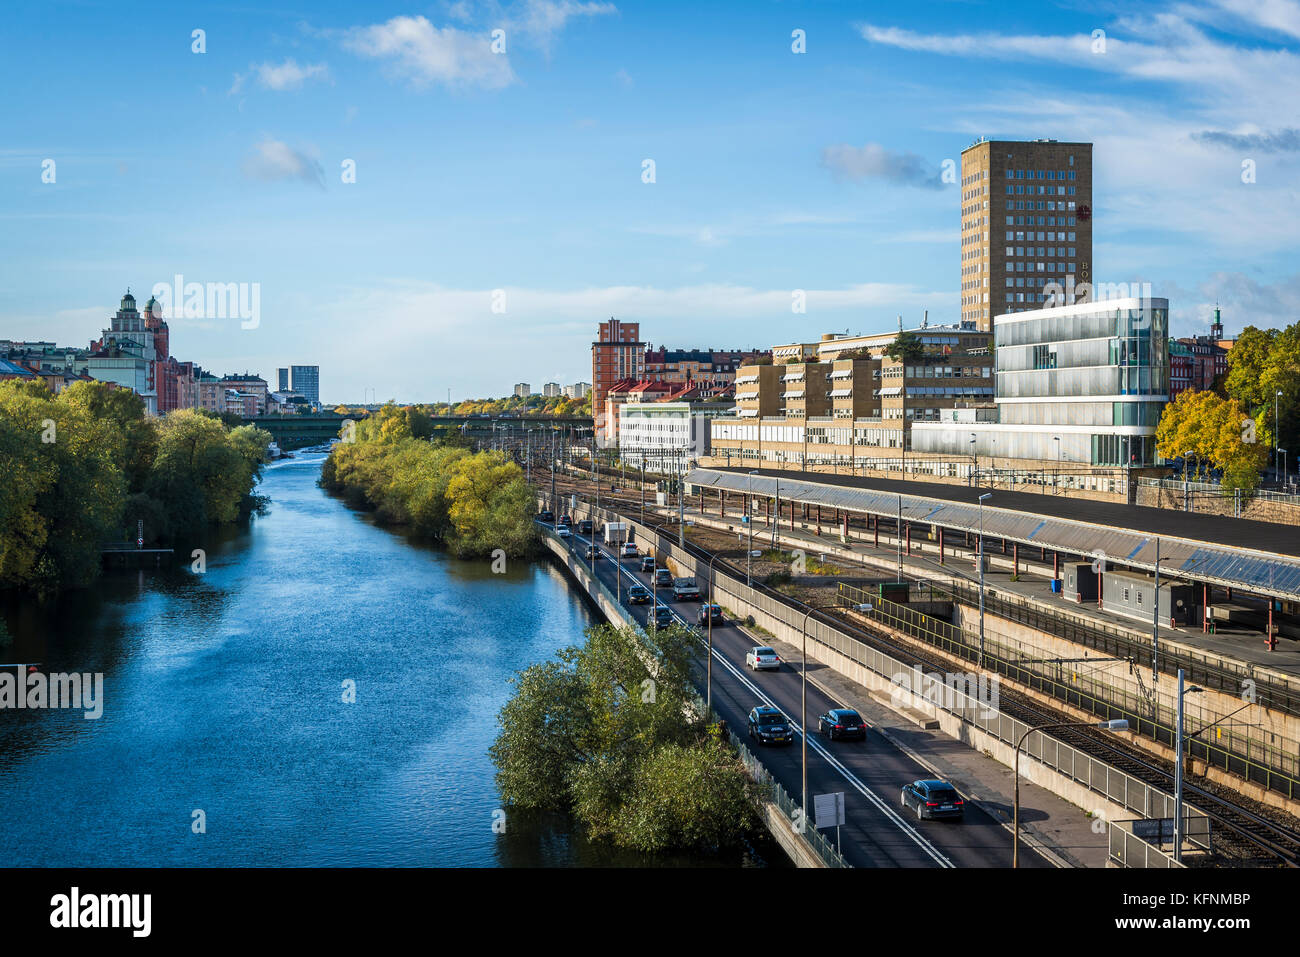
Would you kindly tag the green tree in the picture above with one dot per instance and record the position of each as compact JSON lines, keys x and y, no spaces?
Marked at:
{"x":906,"y":347}
{"x":605,"y":734}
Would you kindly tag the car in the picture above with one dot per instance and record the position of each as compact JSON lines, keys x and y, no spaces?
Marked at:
{"x":563,"y":531}
{"x":663,"y":616}
{"x":769,"y":726}
{"x":842,"y":723}
{"x":593,"y":551}
{"x":685,"y":589}
{"x":763,"y":658}
{"x":932,"y":798}
{"x":627,"y":550}
{"x":709,"y":613}
{"x":647,"y":563}
{"x":584,"y":527}
{"x":546,"y":515}
{"x":638,"y":595}
{"x":566,"y":520}
{"x":663,"y":578}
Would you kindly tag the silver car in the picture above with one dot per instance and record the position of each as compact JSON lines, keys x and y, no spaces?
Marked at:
{"x":763,"y":659}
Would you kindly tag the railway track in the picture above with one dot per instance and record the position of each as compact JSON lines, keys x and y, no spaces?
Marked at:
{"x":1251,"y":838}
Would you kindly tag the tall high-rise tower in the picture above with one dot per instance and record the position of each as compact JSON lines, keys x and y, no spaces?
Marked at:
{"x":1026,"y":222}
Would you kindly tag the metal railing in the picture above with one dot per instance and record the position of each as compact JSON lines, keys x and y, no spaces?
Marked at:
{"x":1121,"y":642}
{"x":1275,"y":767}
{"x":773,"y":790}
{"x":1126,"y":849}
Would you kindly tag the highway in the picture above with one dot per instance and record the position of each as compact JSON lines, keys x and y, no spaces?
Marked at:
{"x":878,"y":831}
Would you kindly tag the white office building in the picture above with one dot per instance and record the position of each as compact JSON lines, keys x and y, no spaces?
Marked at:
{"x":1082,"y":384}
{"x":666,"y":436}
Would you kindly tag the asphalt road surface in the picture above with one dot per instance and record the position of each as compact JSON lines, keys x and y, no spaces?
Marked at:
{"x":878,"y":830}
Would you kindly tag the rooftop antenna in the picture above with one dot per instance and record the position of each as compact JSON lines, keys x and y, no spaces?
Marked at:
{"x":925,"y":319}
{"x":900,"y":323}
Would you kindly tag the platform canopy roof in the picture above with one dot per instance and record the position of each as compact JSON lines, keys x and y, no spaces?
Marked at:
{"x":1257,"y":571}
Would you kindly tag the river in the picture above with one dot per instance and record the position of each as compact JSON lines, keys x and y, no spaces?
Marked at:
{"x":224,"y":704}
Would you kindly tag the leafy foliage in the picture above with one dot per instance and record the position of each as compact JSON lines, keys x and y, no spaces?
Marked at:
{"x":905,"y":347}
{"x":1262,"y":363}
{"x":473,"y":503}
{"x":82,"y":467}
{"x":585,"y":735}
{"x":1216,"y":432}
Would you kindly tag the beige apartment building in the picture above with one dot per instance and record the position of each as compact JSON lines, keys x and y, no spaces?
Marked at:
{"x":841,"y":401}
{"x":1026,"y":222}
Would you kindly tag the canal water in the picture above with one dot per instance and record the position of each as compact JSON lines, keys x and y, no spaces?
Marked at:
{"x":224,"y":704}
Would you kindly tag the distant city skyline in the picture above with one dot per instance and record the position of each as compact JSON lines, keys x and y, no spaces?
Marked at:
{"x":498,"y":207}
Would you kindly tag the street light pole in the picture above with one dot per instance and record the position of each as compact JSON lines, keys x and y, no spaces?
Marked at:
{"x":898,"y":538}
{"x":1155,"y":621}
{"x":776,"y":518}
{"x":1178,"y":770}
{"x":980,"y":663}
{"x":708,"y":611}
{"x":749,"y":516}
{"x":1115,"y":725}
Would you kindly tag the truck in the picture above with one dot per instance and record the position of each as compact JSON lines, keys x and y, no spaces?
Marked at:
{"x":685,"y":589}
{"x":616,"y":533}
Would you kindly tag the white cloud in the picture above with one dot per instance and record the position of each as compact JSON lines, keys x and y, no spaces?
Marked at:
{"x":541,"y":20}
{"x":274,"y":161}
{"x":288,"y":75}
{"x":873,"y":161}
{"x":1281,"y":16}
{"x":423,"y":54}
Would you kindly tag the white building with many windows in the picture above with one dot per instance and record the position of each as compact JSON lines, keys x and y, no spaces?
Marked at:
{"x":1082,"y":384}
{"x":666,"y":436}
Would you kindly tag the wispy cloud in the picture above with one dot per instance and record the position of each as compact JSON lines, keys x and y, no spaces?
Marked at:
{"x":417,"y":51}
{"x":873,"y":161}
{"x":1282,"y":141}
{"x":279,"y":76}
{"x":540,"y":21}
{"x":276,"y":161}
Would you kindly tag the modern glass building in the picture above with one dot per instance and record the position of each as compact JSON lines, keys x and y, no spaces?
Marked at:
{"x":1082,"y":384}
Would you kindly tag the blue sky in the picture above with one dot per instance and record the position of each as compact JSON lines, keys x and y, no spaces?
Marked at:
{"x":522,"y":171}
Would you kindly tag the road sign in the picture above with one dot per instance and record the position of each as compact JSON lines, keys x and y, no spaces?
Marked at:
{"x":829,"y":809}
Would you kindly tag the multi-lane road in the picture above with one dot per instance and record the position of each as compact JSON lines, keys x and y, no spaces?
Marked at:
{"x":878,"y":830}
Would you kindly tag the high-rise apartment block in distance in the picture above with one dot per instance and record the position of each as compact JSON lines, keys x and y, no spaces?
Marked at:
{"x":282,"y":375}
{"x":523,"y":390}
{"x":1026,"y":223}
{"x":618,"y":353}
{"x":551,"y":389}
{"x":305,"y":380}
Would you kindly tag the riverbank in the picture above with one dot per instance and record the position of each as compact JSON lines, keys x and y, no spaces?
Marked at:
{"x":223,"y":693}
{"x":475,"y":504}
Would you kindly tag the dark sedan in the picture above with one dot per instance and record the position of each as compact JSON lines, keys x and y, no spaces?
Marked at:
{"x":663,"y":617}
{"x":931,"y":798}
{"x":770,"y":726}
{"x":842,"y":723}
{"x":709,"y":613}
{"x":638,"y":595}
